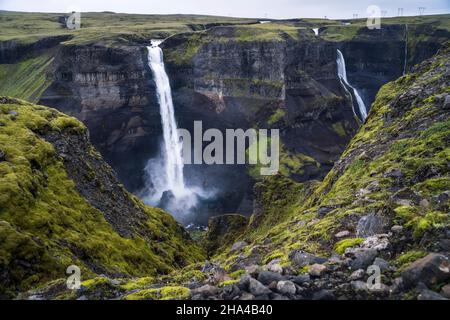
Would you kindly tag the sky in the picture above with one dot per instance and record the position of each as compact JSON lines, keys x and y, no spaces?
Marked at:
{"x":276,"y":9}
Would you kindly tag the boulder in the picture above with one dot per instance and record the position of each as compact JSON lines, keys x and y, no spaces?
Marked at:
{"x":359,"y":286}
{"x":430,"y":295}
{"x":342,"y":234}
{"x":322,"y":211}
{"x":276,"y":267}
{"x":370,"y":225}
{"x":300,"y":258}
{"x":238,"y":246}
{"x":381,"y":263}
{"x":256,"y":288}
{"x":363,"y":258}
{"x":445,"y":291}
{"x":430,"y":270}
{"x":357,"y":274}
{"x":317,"y":270}
{"x":230,"y":292}
{"x":267,"y":277}
{"x":247,"y":296}
{"x":446,"y":104}
{"x":301,"y":279}
{"x":205,"y":291}
{"x":286,"y":287}
{"x":397,"y":229}
{"x":377,"y":242}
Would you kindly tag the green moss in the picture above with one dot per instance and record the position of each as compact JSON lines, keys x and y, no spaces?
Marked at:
{"x":409,"y":257}
{"x":290,"y":164}
{"x":276,"y":116}
{"x":304,"y":269}
{"x":67,"y":123}
{"x":164,"y":293}
{"x":430,"y":221}
{"x":237,"y":274}
{"x":147,"y":294}
{"x":46,"y":221}
{"x":185,"y":276}
{"x":138,"y":283}
{"x":414,"y":218}
{"x":340,"y":246}
{"x":339,"y":128}
{"x":100,"y":288}
{"x":274,"y":255}
{"x":228,"y":283}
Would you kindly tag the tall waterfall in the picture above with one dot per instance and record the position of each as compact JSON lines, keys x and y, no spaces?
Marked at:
{"x":164,"y":181}
{"x":172,"y":145}
{"x":405,"y":63}
{"x":342,"y":73}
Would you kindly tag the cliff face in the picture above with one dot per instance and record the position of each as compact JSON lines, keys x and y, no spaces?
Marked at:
{"x":62,"y":205}
{"x":275,"y":76}
{"x":110,"y":90}
{"x":380,"y":213}
{"x":382,"y":208}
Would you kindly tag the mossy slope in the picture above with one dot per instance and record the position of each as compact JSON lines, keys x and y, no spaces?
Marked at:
{"x":47,"y":225}
{"x":396,"y":167}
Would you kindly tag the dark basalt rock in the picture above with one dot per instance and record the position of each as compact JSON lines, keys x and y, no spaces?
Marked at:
{"x":430,"y":270}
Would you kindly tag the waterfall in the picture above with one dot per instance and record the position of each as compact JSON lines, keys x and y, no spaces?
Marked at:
{"x":342,"y":74}
{"x":406,"y":50}
{"x":164,"y":178}
{"x":316,"y":31}
{"x":172,"y":145}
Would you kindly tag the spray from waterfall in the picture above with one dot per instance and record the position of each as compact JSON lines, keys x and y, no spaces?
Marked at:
{"x":342,"y":74}
{"x":406,"y":50}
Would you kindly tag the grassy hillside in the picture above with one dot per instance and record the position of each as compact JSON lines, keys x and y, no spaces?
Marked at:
{"x":45,"y":222}
{"x":106,"y":26}
{"x":396,"y":168}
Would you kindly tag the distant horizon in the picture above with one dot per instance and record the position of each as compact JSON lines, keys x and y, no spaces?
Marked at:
{"x":250,"y":9}
{"x":214,"y":15}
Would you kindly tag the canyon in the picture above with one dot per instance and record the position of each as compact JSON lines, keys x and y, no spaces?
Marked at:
{"x":221,"y":76}
{"x":352,"y":186}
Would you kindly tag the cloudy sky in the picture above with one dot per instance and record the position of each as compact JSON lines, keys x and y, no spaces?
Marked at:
{"x":237,"y":8}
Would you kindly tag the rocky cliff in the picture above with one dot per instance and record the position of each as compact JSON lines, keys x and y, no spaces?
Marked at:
{"x":62,"y":205}
{"x":377,"y":226}
{"x":229,"y":75}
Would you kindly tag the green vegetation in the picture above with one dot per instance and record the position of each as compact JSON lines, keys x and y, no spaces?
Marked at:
{"x":138,"y":283}
{"x":107,"y":28}
{"x":290,"y":164}
{"x":388,"y":151}
{"x":340,"y":246}
{"x":164,"y":293}
{"x":409,"y":257}
{"x":26,"y":79}
{"x":48,"y":224}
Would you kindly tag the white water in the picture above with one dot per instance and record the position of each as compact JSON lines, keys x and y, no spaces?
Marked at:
{"x":165,"y":173}
{"x":406,"y":50}
{"x":316,"y":31}
{"x":342,"y":73}
{"x":172,"y":145}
